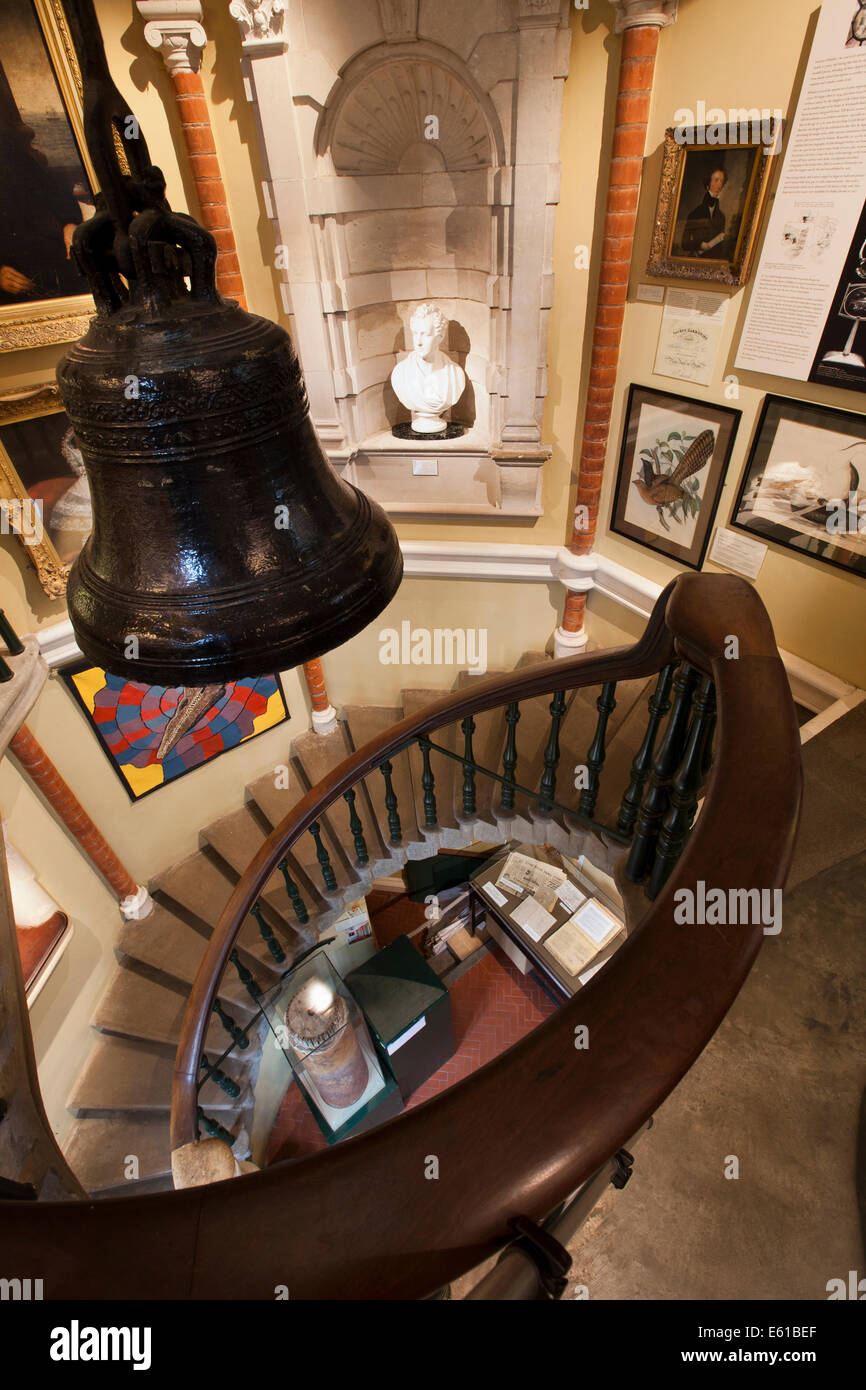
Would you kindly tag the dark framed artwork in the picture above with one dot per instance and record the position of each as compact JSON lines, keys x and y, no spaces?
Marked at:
{"x":672,"y":464}
{"x":804,"y":486}
{"x":710,"y":202}
{"x":152,"y":734}
{"x":42,"y":478}
{"x":49,"y":183}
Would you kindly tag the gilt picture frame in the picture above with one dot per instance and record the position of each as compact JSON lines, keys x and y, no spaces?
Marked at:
{"x":44,"y":494}
{"x":43,"y":300}
{"x":804,"y":484}
{"x":711,"y":199}
{"x":673,"y":459}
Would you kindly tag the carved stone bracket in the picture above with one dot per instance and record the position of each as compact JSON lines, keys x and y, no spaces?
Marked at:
{"x":175,"y":28}
{"x":631,"y":13}
{"x":261,"y":23}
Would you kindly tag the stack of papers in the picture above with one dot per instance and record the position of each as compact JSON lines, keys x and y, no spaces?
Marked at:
{"x":522,"y":874}
{"x":585,"y":934}
{"x":533,"y":918}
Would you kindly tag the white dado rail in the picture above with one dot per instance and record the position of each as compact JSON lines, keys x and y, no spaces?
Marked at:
{"x":411,"y":155}
{"x":816,"y":690}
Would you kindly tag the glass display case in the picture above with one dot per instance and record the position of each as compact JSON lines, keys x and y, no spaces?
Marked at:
{"x":323,"y":1034}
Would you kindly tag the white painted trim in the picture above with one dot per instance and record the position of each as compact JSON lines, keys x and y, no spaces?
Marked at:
{"x":831,"y":714}
{"x":57,"y":643}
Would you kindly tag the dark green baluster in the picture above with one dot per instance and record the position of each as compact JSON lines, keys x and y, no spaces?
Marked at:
{"x":605,"y":704}
{"x":268,"y":937}
{"x":468,"y":727}
{"x":222,"y":1079}
{"x":659,"y":704}
{"x":395,"y":830}
{"x":253,"y":988}
{"x":655,"y":802}
{"x":292,"y":889}
{"x":431,"y":814}
{"x":509,"y":757}
{"x":236,"y":1033}
{"x":357,"y":829}
{"x":322,"y":856}
{"x":14,"y":645}
{"x":551,"y":753}
{"x":683,"y":794}
{"x":214,"y":1128}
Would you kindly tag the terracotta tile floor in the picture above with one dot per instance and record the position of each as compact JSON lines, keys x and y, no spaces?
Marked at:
{"x":493,"y":1006}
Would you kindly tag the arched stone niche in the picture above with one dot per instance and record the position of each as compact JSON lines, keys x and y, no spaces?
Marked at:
{"x":412,"y":151}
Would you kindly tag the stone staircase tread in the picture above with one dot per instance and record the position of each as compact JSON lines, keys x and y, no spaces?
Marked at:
{"x":99,"y":1150}
{"x":122,"y":1074}
{"x":319,"y":754}
{"x":198,"y":885}
{"x":366,"y":722}
{"x":133,"y":1006}
{"x":274,"y":803}
{"x":237,"y":839}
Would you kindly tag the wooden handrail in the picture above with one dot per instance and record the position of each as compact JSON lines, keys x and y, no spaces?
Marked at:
{"x":361,"y":1220}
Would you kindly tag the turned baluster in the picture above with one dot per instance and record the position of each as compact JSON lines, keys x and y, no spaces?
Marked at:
{"x":395,"y":829}
{"x":235,"y":1032}
{"x":253,"y":988}
{"x":468,"y":727}
{"x":221,"y":1078}
{"x":655,"y":802}
{"x":659,"y":704}
{"x":357,"y":829}
{"x":267,"y":932}
{"x":431,"y":814}
{"x":551,"y":753}
{"x":683,"y":794}
{"x":509,"y":757}
{"x":323,"y":857}
{"x":605,"y":704}
{"x":294,"y":895}
{"x":214,"y":1128}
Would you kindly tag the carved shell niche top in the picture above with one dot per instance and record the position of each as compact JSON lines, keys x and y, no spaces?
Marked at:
{"x":383,"y":126}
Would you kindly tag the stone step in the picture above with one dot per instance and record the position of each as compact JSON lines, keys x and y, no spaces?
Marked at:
{"x":319,"y":754}
{"x":274,"y":802}
{"x":236,"y":839}
{"x":128,"y":1076}
{"x":114,"y":1154}
{"x":366,"y":722}
{"x":167,"y":943}
{"x":134,"y":1006}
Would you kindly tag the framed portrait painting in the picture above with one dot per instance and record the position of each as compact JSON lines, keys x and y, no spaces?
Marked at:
{"x":710,"y":202}
{"x":49,"y":183}
{"x":44,"y":493}
{"x":805,"y":482}
{"x":671,"y":468}
{"x":152,"y":734}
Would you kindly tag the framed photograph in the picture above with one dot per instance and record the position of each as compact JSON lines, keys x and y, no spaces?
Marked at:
{"x":152,"y":735}
{"x":43,"y":486}
{"x":805,"y":482}
{"x":710,"y":202}
{"x":49,"y":183}
{"x":671,"y":467}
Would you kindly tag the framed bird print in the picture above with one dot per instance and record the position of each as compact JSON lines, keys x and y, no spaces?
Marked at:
{"x":805,"y":482}
{"x":672,"y":464}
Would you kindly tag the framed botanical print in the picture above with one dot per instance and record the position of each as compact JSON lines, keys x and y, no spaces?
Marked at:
{"x":671,"y":468}
{"x":44,"y":493}
{"x":710,"y":202}
{"x":805,"y":482}
{"x":153,"y":734}
{"x":49,"y":183}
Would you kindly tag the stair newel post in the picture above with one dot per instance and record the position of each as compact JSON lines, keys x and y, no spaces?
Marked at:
{"x":235,"y":1032}
{"x":509,"y":757}
{"x":683,"y":794}
{"x":357,"y":829}
{"x":605,"y":704}
{"x":323,"y":857}
{"x":214,"y":1128}
{"x":222,"y":1079}
{"x":659,"y":704}
{"x":395,"y":829}
{"x":431,"y":814}
{"x":655,"y":802}
{"x":251,"y":985}
{"x":468,"y":727}
{"x":267,"y":932}
{"x":551,"y":753}
{"x":294,"y":895}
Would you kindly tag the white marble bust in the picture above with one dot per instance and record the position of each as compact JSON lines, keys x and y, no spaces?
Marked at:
{"x":428,"y":382}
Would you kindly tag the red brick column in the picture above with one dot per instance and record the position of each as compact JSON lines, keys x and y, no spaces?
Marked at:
{"x":324,"y":714}
{"x":63,"y":801}
{"x":637,"y":65}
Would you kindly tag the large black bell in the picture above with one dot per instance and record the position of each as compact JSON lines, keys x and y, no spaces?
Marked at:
{"x":223,"y":543}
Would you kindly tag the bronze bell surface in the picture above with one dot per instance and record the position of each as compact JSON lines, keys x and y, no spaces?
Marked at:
{"x":224,"y":543}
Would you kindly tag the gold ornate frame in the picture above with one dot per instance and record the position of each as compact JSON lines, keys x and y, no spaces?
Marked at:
{"x":27,"y":404}
{"x":54,"y":320}
{"x":732,"y":272}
